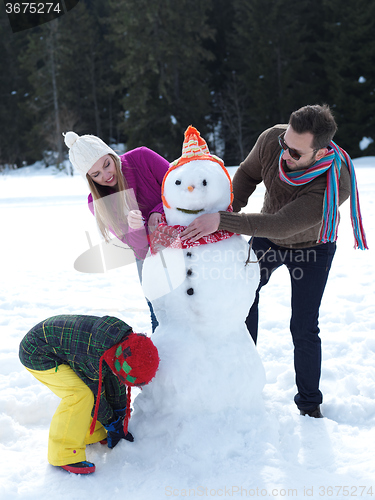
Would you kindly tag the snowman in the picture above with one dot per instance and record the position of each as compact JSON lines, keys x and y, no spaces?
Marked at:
{"x":201,"y":292}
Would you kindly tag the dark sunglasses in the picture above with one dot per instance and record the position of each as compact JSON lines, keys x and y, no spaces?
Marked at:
{"x":293,"y":153}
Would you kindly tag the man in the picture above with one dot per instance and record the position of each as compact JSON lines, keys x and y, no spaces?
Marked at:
{"x":307,"y":176}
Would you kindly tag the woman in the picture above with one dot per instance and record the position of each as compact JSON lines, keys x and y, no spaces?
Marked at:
{"x":125,"y":191}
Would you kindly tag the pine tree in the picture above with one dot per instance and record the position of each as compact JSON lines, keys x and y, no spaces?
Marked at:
{"x":275,"y":60}
{"x":88,"y":78}
{"x":41,"y":60}
{"x":70,"y":70}
{"x":14,"y":89}
{"x":141,"y":71}
{"x":227,"y":122}
{"x":349,"y":52}
{"x":162,"y":69}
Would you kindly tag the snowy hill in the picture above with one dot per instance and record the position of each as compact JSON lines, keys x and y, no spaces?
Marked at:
{"x":44,"y":220}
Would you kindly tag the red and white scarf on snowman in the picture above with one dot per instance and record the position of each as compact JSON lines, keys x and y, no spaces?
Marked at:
{"x":166,"y":236}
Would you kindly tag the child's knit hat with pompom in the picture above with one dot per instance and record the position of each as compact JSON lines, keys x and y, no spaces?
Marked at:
{"x":134,"y":361}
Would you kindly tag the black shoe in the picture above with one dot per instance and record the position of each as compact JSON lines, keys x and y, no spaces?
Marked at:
{"x":315,"y":412}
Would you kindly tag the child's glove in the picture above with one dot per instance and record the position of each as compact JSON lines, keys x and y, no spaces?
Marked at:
{"x":121,"y":413}
{"x":115,"y":432}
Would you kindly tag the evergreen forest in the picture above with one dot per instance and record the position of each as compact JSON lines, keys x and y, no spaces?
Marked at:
{"x":139,"y":72}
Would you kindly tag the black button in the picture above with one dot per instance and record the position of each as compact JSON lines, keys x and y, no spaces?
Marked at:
{"x":189,"y":254}
{"x":190,"y":291}
{"x":189,"y":272}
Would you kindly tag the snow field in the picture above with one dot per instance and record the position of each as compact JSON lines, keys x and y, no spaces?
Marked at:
{"x":44,"y":219}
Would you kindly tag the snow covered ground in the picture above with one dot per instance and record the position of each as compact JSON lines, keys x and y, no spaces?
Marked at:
{"x":43,"y":225}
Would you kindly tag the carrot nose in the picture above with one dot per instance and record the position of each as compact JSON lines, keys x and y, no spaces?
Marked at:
{"x":191,"y":188}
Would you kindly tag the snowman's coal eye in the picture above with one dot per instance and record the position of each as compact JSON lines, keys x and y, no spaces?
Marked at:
{"x":204,"y":182}
{"x":178,"y":182}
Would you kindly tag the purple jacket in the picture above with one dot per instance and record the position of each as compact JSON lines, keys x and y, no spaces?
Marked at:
{"x":144,"y":171}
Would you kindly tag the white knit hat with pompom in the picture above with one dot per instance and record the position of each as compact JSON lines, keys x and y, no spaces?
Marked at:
{"x":85,"y":150}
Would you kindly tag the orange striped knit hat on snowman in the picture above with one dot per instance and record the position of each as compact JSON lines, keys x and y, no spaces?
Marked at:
{"x":194,"y":148}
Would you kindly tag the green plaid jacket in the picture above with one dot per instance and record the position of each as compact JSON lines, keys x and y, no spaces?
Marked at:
{"x":79,"y":341}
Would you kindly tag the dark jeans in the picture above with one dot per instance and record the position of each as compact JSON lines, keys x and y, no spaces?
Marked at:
{"x":154,"y":321}
{"x":308,"y":269}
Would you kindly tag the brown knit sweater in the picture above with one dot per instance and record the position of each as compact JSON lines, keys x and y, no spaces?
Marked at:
{"x":291,"y":215}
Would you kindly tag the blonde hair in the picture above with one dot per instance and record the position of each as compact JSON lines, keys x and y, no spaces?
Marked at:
{"x":111,"y":210}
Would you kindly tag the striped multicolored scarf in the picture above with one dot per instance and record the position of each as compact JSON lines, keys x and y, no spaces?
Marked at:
{"x":331,"y":163}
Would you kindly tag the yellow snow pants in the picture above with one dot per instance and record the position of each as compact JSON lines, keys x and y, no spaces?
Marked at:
{"x":69,"y":432}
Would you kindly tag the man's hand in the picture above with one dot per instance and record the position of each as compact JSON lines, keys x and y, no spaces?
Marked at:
{"x":201,"y":226}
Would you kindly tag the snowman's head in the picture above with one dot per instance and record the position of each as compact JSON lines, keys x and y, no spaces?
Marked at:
{"x":195,"y":188}
{"x":195,"y":184}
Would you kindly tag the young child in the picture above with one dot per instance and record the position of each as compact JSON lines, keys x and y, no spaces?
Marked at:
{"x":83,"y":359}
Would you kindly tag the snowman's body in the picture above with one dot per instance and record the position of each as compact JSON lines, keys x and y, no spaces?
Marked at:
{"x":201,"y":296}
